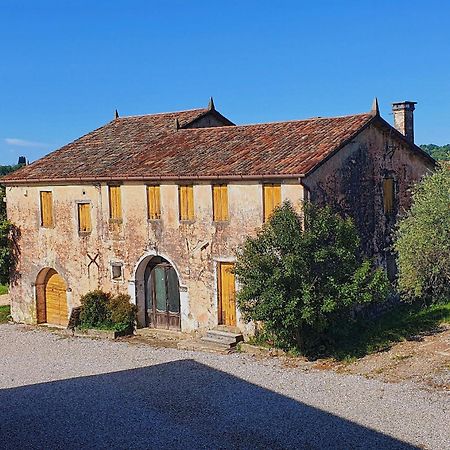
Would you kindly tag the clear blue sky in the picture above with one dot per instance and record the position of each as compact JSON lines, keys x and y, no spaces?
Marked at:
{"x":66,"y":65}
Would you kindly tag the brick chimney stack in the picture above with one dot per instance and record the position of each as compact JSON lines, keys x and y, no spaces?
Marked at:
{"x":404,"y":118}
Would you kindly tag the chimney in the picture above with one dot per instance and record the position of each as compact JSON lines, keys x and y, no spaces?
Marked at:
{"x":404,"y":118}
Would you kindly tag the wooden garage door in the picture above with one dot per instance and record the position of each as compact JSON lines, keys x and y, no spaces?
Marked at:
{"x":56,"y":300}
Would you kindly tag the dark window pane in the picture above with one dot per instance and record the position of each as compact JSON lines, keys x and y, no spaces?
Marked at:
{"x":160,"y":284}
{"x":148,"y":288}
{"x":173,"y":291}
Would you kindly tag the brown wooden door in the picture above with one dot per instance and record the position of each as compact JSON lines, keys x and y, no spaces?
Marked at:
{"x":56,"y":301}
{"x":227,"y":295}
{"x":162,"y":297}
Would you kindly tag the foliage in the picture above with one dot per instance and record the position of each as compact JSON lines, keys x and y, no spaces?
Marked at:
{"x":423,"y":241}
{"x":6,"y":258}
{"x":4,"y":170}
{"x":123,"y":313}
{"x":3,"y":289}
{"x":437,"y":152}
{"x":5,"y":251}
{"x":401,"y":323}
{"x":102,"y":310}
{"x":94,"y":310}
{"x":300,"y":284}
{"x":5,"y":312}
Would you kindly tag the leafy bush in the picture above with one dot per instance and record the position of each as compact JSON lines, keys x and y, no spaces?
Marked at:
{"x":423,"y":241}
{"x":104,"y":311}
{"x":95,"y":311}
{"x":123,"y":313}
{"x":300,"y":283}
{"x":5,"y":251}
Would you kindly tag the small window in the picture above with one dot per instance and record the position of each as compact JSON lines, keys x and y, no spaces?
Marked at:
{"x":271,"y":199}
{"x":220,"y":202}
{"x":186,"y":202}
{"x":115,"y":203}
{"x":116,"y":271}
{"x":46,"y":209}
{"x":388,"y":195}
{"x":84,"y":218}
{"x":153,"y":202}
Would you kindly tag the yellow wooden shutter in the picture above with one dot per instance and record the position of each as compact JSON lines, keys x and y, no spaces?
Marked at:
{"x":182,"y":202}
{"x":115,"y":203}
{"x":224,"y":201}
{"x":388,"y":195}
{"x":84,"y":217}
{"x":271,"y":199}
{"x":186,"y":202}
{"x":154,"y":202}
{"x":220,"y":202}
{"x":276,"y":195}
{"x":190,"y":192}
{"x":46,"y":209}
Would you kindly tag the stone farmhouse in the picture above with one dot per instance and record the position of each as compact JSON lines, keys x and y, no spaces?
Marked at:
{"x":156,"y":206}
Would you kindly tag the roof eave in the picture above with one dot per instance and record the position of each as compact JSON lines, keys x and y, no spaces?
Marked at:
{"x":84,"y":180}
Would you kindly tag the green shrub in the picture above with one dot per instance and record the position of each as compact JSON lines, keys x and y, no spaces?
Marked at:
{"x":95,"y":312}
{"x":303,"y":283}
{"x":423,"y":241}
{"x":5,"y":250}
{"x":123,"y":313}
{"x":105,"y":311}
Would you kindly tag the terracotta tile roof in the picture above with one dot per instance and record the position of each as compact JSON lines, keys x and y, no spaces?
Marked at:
{"x":150,"y":148}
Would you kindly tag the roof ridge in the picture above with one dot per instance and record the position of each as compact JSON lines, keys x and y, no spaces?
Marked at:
{"x":283,"y":121}
{"x":162,"y":113}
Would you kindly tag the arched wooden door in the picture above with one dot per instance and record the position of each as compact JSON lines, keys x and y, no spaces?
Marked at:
{"x":162,"y":296}
{"x":56,"y":300}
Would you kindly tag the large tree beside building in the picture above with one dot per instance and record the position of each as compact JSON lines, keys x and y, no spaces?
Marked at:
{"x":423,"y":240}
{"x":300,"y":281}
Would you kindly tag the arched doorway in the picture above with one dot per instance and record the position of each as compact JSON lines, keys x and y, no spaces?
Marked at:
{"x":158,"y":294}
{"x":51,"y":290}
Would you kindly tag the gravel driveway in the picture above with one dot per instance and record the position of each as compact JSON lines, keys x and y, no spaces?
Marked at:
{"x":71,"y":393}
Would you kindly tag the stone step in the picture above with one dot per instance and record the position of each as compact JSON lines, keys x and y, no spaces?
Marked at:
{"x":226,"y":334}
{"x":204,"y":346}
{"x":228,"y":329}
{"x":221,"y":341}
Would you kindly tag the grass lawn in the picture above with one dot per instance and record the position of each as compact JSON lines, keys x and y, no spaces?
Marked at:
{"x":394,"y":326}
{"x":4,"y":313}
{"x":3,"y":289}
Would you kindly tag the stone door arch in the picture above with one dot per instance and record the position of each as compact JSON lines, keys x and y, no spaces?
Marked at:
{"x":51,"y":296}
{"x":158,"y":294}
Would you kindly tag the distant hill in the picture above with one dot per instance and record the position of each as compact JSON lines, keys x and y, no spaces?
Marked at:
{"x":438,"y":152}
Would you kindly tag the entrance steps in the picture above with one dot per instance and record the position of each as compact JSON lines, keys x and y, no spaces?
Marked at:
{"x":220,"y":340}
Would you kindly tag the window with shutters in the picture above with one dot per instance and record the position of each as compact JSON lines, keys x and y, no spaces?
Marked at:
{"x":115,"y":203}
{"x":388,"y":195}
{"x":271,"y":199}
{"x":186,"y":202}
{"x":153,"y":203}
{"x":84,"y":218}
{"x":46,"y":198}
{"x":220,"y":202}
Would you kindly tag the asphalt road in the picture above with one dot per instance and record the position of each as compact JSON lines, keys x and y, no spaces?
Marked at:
{"x":58,"y":392}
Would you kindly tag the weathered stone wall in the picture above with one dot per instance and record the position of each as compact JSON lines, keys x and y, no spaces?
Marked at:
{"x":352,"y":183}
{"x":193,"y":248}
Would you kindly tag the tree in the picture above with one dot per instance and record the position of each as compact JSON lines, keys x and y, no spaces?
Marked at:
{"x":437,"y":152}
{"x":423,"y":241}
{"x":6,"y":227}
{"x":301,"y":282}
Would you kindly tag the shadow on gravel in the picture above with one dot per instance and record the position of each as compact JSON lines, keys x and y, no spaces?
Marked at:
{"x":182,"y":404}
